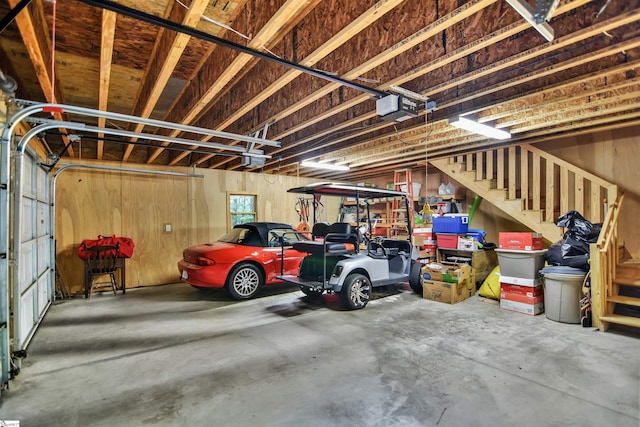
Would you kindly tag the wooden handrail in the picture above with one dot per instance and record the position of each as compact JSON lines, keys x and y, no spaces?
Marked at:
{"x":610,"y":224}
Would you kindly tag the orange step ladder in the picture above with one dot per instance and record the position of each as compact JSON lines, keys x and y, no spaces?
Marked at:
{"x":402,"y":178}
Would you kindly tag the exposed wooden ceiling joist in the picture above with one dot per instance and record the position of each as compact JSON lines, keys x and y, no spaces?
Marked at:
{"x":475,"y":57}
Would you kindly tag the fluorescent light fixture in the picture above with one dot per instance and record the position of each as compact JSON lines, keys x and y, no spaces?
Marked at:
{"x":318,"y":165}
{"x":524,"y":9}
{"x":476,"y":127}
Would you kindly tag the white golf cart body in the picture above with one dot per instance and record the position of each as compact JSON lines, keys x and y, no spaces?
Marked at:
{"x":340,"y":260}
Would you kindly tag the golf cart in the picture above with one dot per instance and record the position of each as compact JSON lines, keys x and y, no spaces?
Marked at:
{"x":348,"y":259}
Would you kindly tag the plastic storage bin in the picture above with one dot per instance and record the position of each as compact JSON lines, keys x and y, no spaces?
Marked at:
{"x":448,"y":241}
{"x":562,"y":293}
{"x":450,"y":223}
{"x":522,"y":264}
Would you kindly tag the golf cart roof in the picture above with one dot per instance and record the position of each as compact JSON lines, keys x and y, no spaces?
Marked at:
{"x":347,"y":190}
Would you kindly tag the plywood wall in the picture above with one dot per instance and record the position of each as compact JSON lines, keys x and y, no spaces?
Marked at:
{"x":89,"y":203}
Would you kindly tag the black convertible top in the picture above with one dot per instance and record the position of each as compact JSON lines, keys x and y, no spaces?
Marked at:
{"x":263,"y":229}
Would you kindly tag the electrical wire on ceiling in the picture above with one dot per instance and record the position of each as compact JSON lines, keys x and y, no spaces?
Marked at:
{"x":53,"y":53}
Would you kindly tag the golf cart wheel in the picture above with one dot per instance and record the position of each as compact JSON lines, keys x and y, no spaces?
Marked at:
{"x":355,"y":292}
{"x":311,"y":293}
{"x":415,"y":277}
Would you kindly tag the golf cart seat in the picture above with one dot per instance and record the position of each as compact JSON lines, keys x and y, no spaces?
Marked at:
{"x":340,"y":239}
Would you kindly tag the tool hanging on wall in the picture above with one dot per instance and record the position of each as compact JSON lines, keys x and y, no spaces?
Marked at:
{"x":302,"y":208}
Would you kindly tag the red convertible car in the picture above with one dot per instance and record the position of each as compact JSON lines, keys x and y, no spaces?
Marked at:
{"x":244,"y":259}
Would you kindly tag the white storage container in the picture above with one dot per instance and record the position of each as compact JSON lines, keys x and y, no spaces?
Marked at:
{"x":562,"y":293}
{"x":523,"y":264}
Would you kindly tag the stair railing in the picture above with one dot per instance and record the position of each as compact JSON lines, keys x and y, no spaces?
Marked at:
{"x":543,"y":181}
{"x":604,"y":259}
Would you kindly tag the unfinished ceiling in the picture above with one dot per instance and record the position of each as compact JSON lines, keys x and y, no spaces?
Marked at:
{"x":478,"y":58}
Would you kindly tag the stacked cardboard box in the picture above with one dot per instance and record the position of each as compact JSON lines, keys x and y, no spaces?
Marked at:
{"x":521,"y":258}
{"x":447,"y":283}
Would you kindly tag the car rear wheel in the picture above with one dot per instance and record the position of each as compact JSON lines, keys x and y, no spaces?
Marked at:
{"x":244,"y":281}
{"x":355,"y":292}
{"x":415,"y":279}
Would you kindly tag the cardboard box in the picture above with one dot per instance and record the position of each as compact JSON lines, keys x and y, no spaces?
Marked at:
{"x":533,"y":300}
{"x":447,"y":241}
{"x":521,"y":281}
{"x":467,"y":243}
{"x":521,"y":290}
{"x":521,"y":307}
{"x":520,"y":241}
{"x":524,"y":294}
{"x":446,"y":273}
{"x":449,"y":293}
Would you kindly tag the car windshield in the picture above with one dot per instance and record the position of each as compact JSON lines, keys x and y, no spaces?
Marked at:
{"x":289,"y":236}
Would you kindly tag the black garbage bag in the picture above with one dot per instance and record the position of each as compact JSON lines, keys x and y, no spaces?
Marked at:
{"x":573,"y":249}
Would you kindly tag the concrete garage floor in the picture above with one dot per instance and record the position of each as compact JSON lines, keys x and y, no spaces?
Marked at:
{"x":175,"y":356}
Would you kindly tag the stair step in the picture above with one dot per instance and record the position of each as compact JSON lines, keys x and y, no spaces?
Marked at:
{"x":621,"y":320}
{"x":624,"y":300}
{"x":627,"y":281}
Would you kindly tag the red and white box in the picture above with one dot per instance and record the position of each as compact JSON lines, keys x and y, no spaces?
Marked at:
{"x":520,"y":241}
{"x":520,"y":281}
{"x":523,"y":294}
{"x":521,"y":307}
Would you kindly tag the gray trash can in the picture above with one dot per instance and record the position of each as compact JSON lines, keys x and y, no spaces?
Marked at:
{"x":562,"y":293}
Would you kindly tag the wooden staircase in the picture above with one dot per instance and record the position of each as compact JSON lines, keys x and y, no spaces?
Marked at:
{"x":534,"y":188}
{"x":530,"y":185}
{"x":615,"y":282}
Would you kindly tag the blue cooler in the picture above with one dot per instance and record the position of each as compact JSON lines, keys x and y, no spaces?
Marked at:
{"x":450,"y":223}
{"x":478,"y":234}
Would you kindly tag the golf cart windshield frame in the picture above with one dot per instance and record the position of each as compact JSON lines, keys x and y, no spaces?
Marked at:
{"x":368,"y":195}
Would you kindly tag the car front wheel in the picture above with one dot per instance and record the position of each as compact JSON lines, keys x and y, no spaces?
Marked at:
{"x":355,"y":292}
{"x":244,"y":281}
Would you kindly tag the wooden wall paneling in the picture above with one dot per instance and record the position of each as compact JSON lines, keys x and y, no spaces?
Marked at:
{"x":88,"y":203}
{"x":148,"y":203}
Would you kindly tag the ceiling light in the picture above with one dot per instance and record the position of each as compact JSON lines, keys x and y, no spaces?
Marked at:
{"x":524,"y":9}
{"x":476,"y":127}
{"x":329,"y":166}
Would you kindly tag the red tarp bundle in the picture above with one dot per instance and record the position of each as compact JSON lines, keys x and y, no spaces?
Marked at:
{"x":126,"y":245}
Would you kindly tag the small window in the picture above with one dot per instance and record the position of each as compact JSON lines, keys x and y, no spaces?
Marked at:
{"x":243,"y":208}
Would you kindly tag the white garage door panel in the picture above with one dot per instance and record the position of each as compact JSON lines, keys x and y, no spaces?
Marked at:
{"x":42,"y":219}
{"x":27,"y":231}
{"x":43,"y":255}
{"x":42,"y":189}
{"x":34,"y":289}
{"x":27,"y":317}
{"x":28,"y":273}
{"x":43,"y":294}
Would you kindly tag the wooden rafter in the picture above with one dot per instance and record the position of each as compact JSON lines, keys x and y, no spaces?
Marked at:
{"x":106,"y":55}
{"x":33,"y":31}
{"x":524,"y":56}
{"x":168,"y":50}
{"x":290,"y":11}
{"x":357,"y":25}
